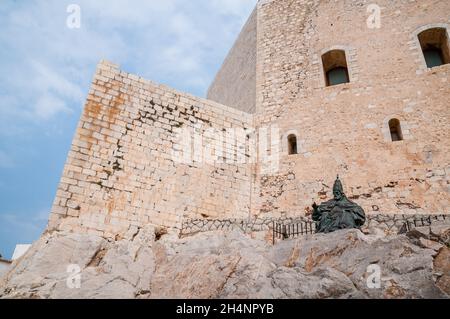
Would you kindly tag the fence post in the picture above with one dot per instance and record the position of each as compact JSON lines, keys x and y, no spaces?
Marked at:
{"x":273,"y":233}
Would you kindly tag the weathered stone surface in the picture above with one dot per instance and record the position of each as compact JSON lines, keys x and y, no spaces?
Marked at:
{"x":322,"y":283}
{"x":442,"y":266}
{"x":403,"y":264}
{"x":108,"y":269}
{"x":433,"y":237}
{"x":441,"y":233}
{"x":228,"y":265}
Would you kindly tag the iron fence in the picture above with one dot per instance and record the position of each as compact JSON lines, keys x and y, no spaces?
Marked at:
{"x":294,"y":230}
{"x":420,"y":222}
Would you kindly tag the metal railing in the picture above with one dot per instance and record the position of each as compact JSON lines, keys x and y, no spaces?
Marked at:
{"x":422,"y":222}
{"x":294,"y":230}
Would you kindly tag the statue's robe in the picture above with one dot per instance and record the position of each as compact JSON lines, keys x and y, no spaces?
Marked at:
{"x":338,"y":214}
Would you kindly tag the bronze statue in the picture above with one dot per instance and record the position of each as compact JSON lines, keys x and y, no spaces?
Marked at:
{"x":338,"y":213}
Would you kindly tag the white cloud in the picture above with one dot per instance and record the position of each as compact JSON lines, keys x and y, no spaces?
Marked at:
{"x":23,"y":226}
{"x":47,"y":67}
{"x":136,"y":12}
{"x":238,"y":8}
{"x":5,"y":160}
{"x":39,"y":95}
{"x":46,"y":79}
{"x":42,"y":215}
{"x":29,"y":222}
{"x":21,"y":229}
{"x":14,"y":221}
{"x":47,"y":106}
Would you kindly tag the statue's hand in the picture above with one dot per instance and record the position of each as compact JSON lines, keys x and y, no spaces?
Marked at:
{"x":315,"y":206}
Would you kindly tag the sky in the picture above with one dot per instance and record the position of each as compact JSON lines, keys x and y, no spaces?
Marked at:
{"x":46,"y":69}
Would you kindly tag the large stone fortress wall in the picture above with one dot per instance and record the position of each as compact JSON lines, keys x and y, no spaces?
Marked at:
{"x":122,"y":170}
{"x":344,"y":129}
{"x":235,"y":83}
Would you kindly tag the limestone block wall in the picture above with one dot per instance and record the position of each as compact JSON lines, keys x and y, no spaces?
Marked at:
{"x":344,"y":129}
{"x":235,"y":83}
{"x":124,"y":168}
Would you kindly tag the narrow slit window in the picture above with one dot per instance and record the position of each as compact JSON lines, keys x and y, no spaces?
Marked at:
{"x":396,"y":130}
{"x":292,"y":144}
{"x":435,"y":48}
{"x":335,"y":67}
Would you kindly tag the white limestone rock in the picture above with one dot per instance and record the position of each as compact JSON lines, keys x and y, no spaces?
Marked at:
{"x":229,"y":265}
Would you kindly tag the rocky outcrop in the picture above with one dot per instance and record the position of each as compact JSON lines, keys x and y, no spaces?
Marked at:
{"x":232,"y":265}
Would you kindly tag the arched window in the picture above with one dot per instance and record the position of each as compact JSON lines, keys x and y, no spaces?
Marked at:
{"x":396,"y":130}
{"x":434,"y":44}
{"x":292,"y":144}
{"x":335,"y":67}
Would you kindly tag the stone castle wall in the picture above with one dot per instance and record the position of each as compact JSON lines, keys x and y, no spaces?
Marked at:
{"x":235,"y":83}
{"x":344,"y":129}
{"x":122,"y":172}
{"x":123,"y":168}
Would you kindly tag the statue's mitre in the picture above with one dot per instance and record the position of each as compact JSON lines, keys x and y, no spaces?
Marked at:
{"x":338,"y":186}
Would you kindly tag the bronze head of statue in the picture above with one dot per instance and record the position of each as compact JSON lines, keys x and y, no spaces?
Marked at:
{"x":338,"y":189}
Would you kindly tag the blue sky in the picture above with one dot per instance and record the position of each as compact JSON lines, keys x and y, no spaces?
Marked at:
{"x":46,"y":69}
